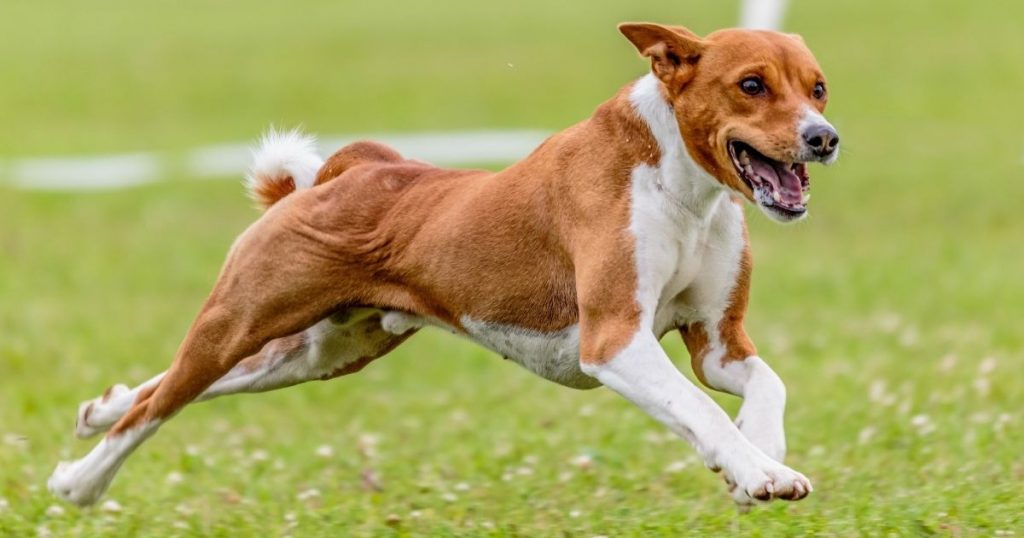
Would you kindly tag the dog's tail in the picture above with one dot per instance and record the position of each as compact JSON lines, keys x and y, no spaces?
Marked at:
{"x":284,"y":162}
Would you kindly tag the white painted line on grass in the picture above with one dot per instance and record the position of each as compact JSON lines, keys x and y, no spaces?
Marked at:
{"x":232,"y":160}
{"x":469,"y":147}
{"x":762,"y":14}
{"x":106,"y":172}
{"x":440,"y":148}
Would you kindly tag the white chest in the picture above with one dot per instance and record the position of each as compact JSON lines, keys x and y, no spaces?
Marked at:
{"x":689,"y":240}
{"x":689,"y":235}
{"x":686,"y":274}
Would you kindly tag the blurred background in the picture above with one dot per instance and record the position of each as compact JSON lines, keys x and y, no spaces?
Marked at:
{"x":893,"y":313}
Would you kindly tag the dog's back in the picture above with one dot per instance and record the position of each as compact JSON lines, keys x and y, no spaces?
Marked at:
{"x":419,"y":231}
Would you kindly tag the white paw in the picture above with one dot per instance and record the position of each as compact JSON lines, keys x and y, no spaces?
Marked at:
{"x":94,"y":416}
{"x":767,"y":481}
{"x":71,"y":481}
{"x":83,"y":428}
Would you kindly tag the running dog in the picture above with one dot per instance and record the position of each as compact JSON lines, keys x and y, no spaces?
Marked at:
{"x":573,"y":262}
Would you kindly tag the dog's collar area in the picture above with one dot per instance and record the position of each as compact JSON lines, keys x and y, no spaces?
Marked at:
{"x":682,"y":183}
{"x":698,"y":207}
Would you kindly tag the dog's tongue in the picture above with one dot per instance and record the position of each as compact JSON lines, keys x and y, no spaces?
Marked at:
{"x":782,"y":177}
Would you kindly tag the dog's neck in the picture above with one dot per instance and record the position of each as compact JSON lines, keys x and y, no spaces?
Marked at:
{"x":683,"y":181}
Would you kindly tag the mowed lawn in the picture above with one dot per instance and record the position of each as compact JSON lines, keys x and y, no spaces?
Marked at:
{"x":894,"y":313}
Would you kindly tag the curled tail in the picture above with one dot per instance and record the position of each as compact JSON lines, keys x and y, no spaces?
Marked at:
{"x":284,"y":162}
{"x":287,"y":161}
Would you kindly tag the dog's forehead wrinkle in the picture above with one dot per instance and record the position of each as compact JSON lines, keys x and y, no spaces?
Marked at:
{"x":761,"y":50}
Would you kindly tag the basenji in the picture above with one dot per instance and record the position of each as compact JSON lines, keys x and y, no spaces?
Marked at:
{"x":573,"y":262}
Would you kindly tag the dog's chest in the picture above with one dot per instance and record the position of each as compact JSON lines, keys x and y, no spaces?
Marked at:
{"x":673,"y":262}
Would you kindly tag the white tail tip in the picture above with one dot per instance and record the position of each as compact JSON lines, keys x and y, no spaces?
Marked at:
{"x":282,"y":157}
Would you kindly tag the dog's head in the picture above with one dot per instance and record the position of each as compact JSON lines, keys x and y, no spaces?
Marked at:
{"x":749,"y":106}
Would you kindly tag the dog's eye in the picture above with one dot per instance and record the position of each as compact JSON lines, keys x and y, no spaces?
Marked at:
{"x":819,"y":90}
{"x":752,"y":86}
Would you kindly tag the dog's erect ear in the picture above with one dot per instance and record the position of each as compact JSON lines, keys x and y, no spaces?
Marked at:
{"x":674,"y":50}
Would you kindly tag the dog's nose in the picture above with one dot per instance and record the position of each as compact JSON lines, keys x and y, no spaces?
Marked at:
{"x":822,"y":139}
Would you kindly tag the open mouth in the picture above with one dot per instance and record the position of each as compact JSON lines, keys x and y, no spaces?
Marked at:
{"x":781,"y":188}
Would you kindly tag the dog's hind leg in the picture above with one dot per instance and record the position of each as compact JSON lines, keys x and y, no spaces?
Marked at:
{"x":278,"y":280}
{"x":99,"y":414}
{"x":338,"y":345}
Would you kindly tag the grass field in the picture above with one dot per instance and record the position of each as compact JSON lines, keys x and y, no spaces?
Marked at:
{"x":893,"y":314}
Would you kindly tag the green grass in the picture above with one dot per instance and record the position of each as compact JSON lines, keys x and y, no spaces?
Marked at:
{"x":901,"y":297}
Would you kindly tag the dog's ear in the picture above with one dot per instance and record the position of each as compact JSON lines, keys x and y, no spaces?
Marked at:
{"x":674,"y":51}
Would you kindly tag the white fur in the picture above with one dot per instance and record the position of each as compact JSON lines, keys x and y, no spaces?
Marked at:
{"x":678,"y":211}
{"x":764,"y":399}
{"x":684,"y":183}
{"x":283,"y":154}
{"x":400,"y":323}
{"x":689,"y":242}
{"x":99,"y":414}
{"x":813,"y":118}
{"x":329,"y":345}
{"x":553,"y":356}
{"x":82,"y":482}
{"x":644,"y":375}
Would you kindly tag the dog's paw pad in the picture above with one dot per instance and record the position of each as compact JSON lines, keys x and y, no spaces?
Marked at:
{"x":774,"y":483}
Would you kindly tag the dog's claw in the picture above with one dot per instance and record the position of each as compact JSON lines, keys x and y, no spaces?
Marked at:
{"x":775,"y":483}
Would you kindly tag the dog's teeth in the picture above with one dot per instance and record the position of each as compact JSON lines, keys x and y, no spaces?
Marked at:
{"x":776,"y":196}
{"x":744,"y":159}
{"x":748,"y":169}
{"x":806,"y":198}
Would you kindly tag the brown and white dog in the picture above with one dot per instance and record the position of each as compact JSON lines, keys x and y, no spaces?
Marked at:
{"x":573,"y":262}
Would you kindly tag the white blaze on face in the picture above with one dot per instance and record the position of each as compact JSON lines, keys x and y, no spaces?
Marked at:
{"x":810,"y":120}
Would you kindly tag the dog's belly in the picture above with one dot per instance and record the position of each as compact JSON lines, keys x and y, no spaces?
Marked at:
{"x":555,"y":356}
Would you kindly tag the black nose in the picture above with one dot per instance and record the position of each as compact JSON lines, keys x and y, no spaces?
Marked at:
{"x":823,"y":139}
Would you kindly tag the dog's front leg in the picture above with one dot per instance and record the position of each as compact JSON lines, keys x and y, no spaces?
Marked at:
{"x":764,"y":400}
{"x":724,"y":357}
{"x":644,"y":374}
{"x":724,"y":360}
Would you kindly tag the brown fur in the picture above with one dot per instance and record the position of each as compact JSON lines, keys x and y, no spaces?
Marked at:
{"x":738,"y":346}
{"x":541,"y":245}
{"x":701,"y":77}
{"x":734,"y":337}
{"x":268,"y":191}
{"x":282,"y":346}
{"x":353,"y":154}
